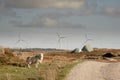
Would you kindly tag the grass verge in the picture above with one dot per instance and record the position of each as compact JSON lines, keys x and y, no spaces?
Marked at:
{"x":20,"y":73}
{"x":64,"y":71}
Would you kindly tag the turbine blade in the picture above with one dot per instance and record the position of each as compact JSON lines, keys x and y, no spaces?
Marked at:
{"x":62,"y":37}
{"x":90,"y":39}
{"x":17,"y":41}
{"x":58,"y":35}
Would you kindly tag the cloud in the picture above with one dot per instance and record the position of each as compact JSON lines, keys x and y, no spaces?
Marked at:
{"x":62,"y":4}
{"x":95,"y":7}
{"x":43,"y":22}
{"x":47,"y":22}
{"x":111,"y":11}
{"x":86,"y":7}
{"x":5,"y":10}
{"x":36,"y":23}
{"x":50,"y":22}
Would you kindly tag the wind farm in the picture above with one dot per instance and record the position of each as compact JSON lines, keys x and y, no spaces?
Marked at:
{"x":59,"y":40}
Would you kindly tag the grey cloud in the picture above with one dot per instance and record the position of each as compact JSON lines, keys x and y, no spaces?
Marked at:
{"x":47,"y":22}
{"x":5,"y":10}
{"x":37,"y":22}
{"x":71,"y":4}
{"x":57,"y":15}
{"x":88,"y":7}
{"x":50,"y":19}
{"x":98,"y":7}
{"x":111,"y":11}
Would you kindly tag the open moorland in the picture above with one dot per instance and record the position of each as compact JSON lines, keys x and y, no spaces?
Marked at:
{"x":55,"y":66}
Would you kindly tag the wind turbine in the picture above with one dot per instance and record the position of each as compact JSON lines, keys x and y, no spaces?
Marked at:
{"x":19,"y":41}
{"x":87,"y":39}
{"x":59,"y":39}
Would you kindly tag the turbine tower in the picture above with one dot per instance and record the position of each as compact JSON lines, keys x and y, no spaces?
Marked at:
{"x":19,"y":41}
{"x":59,"y":40}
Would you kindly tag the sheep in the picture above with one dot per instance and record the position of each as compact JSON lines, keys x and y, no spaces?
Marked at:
{"x":37,"y":59}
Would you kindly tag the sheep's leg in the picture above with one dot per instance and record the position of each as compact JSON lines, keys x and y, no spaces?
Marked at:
{"x":40,"y":61}
{"x":36,"y":65}
{"x":29,"y":66}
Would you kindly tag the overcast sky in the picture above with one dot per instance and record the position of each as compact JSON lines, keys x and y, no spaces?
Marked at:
{"x":37,"y":22}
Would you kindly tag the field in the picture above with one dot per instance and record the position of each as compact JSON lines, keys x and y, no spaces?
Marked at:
{"x":56,"y":64}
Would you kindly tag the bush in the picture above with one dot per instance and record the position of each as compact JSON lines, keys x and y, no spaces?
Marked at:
{"x":8,"y":58}
{"x":3,"y":60}
{"x":8,"y":52}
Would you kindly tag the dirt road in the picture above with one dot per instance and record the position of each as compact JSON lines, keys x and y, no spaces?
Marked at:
{"x":93,"y":70}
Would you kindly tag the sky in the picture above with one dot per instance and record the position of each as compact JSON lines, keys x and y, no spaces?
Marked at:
{"x":41,"y":23}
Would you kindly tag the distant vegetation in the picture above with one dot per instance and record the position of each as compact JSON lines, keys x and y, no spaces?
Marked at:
{"x":36,"y":49}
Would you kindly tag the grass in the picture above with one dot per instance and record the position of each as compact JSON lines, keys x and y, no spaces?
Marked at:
{"x":19,"y":73}
{"x":49,"y":71}
{"x":56,"y":69}
{"x":58,"y":66}
{"x":64,"y":71}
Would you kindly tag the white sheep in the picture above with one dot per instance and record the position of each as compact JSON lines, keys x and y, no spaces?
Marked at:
{"x":37,"y":59}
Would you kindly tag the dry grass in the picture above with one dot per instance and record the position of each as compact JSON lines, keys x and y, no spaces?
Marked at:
{"x":55,"y":66}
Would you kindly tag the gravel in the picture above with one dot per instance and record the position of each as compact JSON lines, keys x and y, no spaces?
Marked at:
{"x":93,"y":70}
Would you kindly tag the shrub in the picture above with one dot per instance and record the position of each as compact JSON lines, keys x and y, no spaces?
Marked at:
{"x":9,"y":59}
{"x":8,"y":52}
{"x":3,"y":60}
